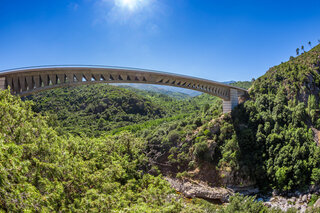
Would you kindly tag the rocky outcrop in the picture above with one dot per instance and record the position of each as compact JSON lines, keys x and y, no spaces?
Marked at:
{"x":200,"y":190}
{"x":298,"y":203}
{"x":316,"y":135}
{"x":236,"y":179}
{"x":297,"y":200}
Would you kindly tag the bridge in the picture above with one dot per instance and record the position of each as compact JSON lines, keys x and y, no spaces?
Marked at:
{"x":29,"y":80}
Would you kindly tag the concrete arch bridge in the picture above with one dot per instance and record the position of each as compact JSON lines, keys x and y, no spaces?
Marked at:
{"x":29,"y":80}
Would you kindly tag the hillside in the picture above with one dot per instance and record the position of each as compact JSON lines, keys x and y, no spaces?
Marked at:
{"x":44,"y":172}
{"x":94,"y":110}
{"x":174,"y":92}
{"x":242,"y":84}
{"x":270,"y":140}
{"x":298,"y":78}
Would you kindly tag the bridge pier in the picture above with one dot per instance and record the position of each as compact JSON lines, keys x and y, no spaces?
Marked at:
{"x":232,"y":103}
{"x":2,"y":83}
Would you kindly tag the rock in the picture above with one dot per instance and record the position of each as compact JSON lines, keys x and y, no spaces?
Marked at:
{"x":283,"y":201}
{"x":215,"y":129}
{"x":304,"y":198}
{"x":200,"y":190}
{"x":249,"y":190}
{"x":292,"y":200}
{"x":267,"y":204}
{"x":317,"y":204}
{"x":273,"y":199}
{"x":212,"y":148}
{"x":313,"y":188}
{"x":309,"y":197}
{"x":303,"y":208}
{"x":297,"y":206}
{"x":275,"y":192}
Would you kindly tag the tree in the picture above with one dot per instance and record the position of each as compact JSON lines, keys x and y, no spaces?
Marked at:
{"x":309,"y":44}
{"x":297,"y":51}
{"x":302,"y":48}
{"x":312,"y":107}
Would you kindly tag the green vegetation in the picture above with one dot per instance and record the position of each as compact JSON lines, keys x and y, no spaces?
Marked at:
{"x":156,"y":90}
{"x":95,"y":110}
{"x":271,"y":137}
{"x":282,"y":113}
{"x":96,"y":148}
{"x":44,"y":172}
{"x":243,"y":84}
{"x":268,"y":139}
{"x":247,"y":204}
{"x":274,"y":128}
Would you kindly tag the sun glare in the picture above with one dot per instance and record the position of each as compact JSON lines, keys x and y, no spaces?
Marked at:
{"x":129,"y":4}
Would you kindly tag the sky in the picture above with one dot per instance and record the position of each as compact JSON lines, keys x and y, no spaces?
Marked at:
{"x":219,"y":40}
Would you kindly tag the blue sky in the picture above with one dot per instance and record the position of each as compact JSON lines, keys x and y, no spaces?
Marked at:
{"x":218,"y":40}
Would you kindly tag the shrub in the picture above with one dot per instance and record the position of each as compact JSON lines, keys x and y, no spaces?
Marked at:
{"x":239,"y":203}
{"x":315,"y":176}
{"x":200,"y":149}
{"x":173,"y":136}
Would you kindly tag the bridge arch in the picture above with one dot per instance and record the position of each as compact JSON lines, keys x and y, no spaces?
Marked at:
{"x":29,"y":80}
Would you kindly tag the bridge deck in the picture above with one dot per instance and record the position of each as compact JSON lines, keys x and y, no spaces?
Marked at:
{"x":28,"y":80}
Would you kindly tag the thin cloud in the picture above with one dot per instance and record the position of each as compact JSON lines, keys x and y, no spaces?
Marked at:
{"x":74,"y":6}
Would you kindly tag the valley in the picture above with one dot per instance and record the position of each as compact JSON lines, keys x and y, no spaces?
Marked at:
{"x":118,"y":148}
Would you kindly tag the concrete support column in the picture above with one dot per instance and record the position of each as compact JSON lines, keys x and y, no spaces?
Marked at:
{"x":232,"y":103}
{"x":2,"y":83}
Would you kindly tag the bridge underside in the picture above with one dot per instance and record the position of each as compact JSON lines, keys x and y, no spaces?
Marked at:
{"x":30,"y":81}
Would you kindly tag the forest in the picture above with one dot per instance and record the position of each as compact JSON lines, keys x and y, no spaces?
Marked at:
{"x":99,"y":148}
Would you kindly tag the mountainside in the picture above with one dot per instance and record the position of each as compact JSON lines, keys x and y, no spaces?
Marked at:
{"x":174,"y":92}
{"x":94,"y":110}
{"x":298,"y":78}
{"x":282,"y":113}
{"x":109,"y":149}
{"x":242,"y":84}
{"x":270,"y":141}
{"x":44,"y":172}
{"x":272,"y":138}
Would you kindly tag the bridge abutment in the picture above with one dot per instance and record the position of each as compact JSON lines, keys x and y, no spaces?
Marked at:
{"x":232,"y":103}
{"x":2,"y":83}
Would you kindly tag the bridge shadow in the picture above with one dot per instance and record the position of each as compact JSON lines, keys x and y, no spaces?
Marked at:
{"x":251,"y":150}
